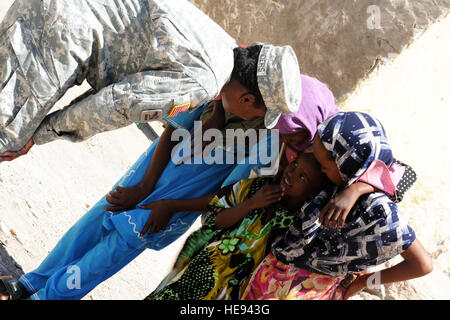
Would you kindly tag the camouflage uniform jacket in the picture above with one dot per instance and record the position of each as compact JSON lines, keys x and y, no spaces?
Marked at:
{"x":137,"y":55}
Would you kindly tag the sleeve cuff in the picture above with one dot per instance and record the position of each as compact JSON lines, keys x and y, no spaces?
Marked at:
{"x":43,"y":135}
{"x":382,"y":177}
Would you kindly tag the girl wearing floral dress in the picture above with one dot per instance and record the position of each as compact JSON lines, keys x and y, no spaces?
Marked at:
{"x":243,"y":219}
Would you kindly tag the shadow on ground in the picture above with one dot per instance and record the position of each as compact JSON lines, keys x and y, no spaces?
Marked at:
{"x":8,"y":266}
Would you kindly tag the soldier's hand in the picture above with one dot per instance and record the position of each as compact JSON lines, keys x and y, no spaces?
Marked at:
{"x":10,"y":156}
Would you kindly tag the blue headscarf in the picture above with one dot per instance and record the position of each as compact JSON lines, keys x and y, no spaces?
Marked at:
{"x":355,"y":140}
{"x":373,"y":232}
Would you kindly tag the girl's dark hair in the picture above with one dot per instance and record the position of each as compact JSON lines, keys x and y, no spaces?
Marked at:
{"x":245,"y":65}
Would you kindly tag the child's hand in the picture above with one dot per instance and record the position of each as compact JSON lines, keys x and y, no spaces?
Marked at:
{"x":335,"y":212}
{"x":267,"y":195}
{"x":354,"y":284}
{"x":125,"y":198}
{"x":162,"y":211}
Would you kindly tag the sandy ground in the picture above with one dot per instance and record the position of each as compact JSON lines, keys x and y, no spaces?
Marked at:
{"x":411,"y":97}
{"x":45,"y":192}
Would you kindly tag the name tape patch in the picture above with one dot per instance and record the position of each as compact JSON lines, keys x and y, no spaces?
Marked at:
{"x":151,"y":115}
{"x":263,"y":61}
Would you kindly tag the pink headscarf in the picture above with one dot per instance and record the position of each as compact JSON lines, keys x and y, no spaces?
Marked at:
{"x":317,"y":105}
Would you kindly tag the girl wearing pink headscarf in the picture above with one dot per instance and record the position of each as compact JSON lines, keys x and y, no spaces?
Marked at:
{"x":297,"y":131}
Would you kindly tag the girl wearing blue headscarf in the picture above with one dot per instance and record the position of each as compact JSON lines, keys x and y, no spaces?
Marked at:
{"x":314,"y":260}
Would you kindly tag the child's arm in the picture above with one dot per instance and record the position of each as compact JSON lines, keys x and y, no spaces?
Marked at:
{"x":267,"y":195}
{"x":337,"y":209}
{"x":163,"y":210}
{"x":417,"y":263}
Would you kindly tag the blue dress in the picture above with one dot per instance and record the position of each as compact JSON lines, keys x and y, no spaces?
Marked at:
{"x":103,"y":242}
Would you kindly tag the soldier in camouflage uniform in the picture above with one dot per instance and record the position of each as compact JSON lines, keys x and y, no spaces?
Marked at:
{"x":146,"y":60}
{"x":139,"y":56}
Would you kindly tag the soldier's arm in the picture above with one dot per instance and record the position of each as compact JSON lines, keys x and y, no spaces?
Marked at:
{"x":121,"y":104}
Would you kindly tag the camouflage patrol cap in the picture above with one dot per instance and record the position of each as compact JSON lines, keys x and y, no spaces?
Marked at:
{"x":279,"y":82}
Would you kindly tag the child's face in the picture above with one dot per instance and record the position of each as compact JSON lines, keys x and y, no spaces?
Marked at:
{"x":237,"y":100}
{"x":295,"y":139}
{"x":302,"y":178}
{"x":329,"y":166}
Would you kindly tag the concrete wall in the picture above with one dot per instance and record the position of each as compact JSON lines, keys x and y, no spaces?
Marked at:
{"x":337,"y":41}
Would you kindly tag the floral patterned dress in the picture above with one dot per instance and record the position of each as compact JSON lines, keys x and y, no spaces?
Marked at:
{"x":217,"y":264}
{"x":274,"y":280}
